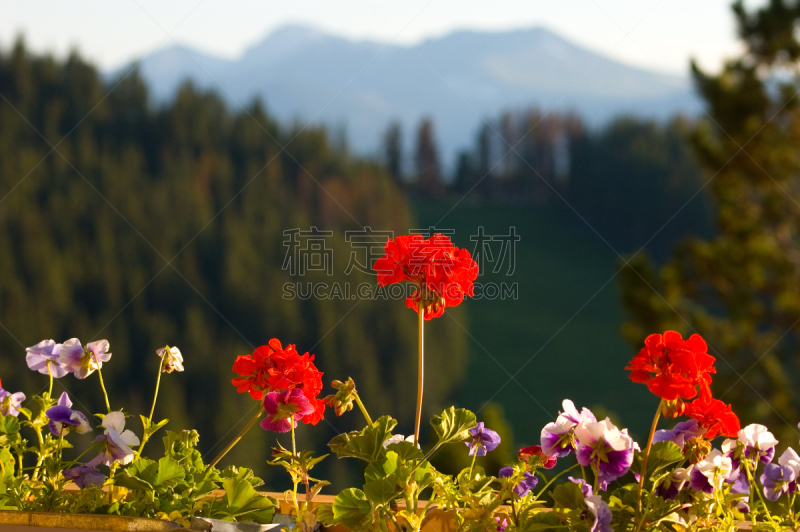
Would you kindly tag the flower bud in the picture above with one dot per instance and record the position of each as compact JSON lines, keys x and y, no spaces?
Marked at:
{"x":697,"y":449}
{"x":673,"y":409}
{"x":342,"y":401}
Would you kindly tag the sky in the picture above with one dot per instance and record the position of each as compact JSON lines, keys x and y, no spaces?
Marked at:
{"x":655,"y":34}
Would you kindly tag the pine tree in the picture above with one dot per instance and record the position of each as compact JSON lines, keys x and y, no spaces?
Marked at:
{"x":741,"y":288}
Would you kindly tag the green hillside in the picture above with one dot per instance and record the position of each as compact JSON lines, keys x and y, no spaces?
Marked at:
{"x":563,"y":330}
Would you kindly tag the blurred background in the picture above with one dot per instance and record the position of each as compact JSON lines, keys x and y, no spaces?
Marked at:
{"x":191,"y":173}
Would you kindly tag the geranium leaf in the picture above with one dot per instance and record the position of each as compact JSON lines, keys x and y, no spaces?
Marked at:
{"x":381,"y":491}
{"x":352,"y":509}
{"x":169,"y":474}
{"x":568,"y":495}
{"x":245,"y":502}
{"x":381,"y":468}
{"x":406,"y":451}
{"x":452,"y":424}
{"x":366,"y":444}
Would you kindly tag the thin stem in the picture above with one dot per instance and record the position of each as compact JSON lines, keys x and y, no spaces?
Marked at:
{"x":596,"y":471}
{"x":420,"y":369}
{"x":244,"y":431}
{"x":544,"y":489}
{"x":102,"y":384}
{"x":50,"y":391}
{"x":472,"y":465}
{"x":750,"y":476}
{"x":645,"y":456}
{"x":363,"y":410}
{"x":295,"y":480}
{"x":158,"y":382}
{"x":146,"y":435}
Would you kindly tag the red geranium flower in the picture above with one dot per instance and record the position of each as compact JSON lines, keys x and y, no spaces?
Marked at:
{"x":673,"y":367}
{"x":534,"y":454}
{"x":442,"y":273}
{"x":271,"y":368}
{"x":715,"y":416}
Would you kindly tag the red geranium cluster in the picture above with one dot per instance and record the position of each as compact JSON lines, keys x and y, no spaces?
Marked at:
{"x":676,"y":369}
{"x":442,"y":273}
{"x":271,"y":368}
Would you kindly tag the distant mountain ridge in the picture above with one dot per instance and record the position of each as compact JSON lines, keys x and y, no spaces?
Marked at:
{"x":303,"y":74}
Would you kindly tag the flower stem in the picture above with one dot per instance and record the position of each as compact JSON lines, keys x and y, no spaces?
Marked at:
{"x":420,"y":369}
{"x":363,"y":410}
{"x":244,"y":431}
{"x":102,"y":384}
{"x":544,"y":489}
{"x":50,"y":390}
{"x":471,"y":466}
{"x":295,"y":480}
{"x":146,"y":435}
{"x":645,"y":456}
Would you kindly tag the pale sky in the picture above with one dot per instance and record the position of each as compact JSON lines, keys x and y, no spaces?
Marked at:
{"x":659,"y":35}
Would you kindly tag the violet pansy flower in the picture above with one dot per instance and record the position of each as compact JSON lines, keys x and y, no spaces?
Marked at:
{"x":524,"y":486}
{"x":483,"y":440}
{"x":284,"y":409}
{"x":174,"y":360}
{"x":585,"y":487}
{"x":63,"y":419}
{"x":44,"y":358}
{"x":84,"y":475}
{"x":81,"y":361}
{"x":669,"y":488}
{"x":601,"y":512}
{"x":605,"y":448}
{"x":10,"y":403}
{"x":777,"y":480}
{"x":118,"y":441}
{"x":555,"y":437}
{"x":680,"y":433}
{"x":758,"y":442}
{"x":709,"y":474}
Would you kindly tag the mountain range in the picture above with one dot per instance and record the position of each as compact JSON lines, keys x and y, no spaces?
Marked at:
{"x":303,"y":74}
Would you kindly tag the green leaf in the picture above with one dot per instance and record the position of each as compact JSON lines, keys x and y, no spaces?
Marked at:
{"x":169,"y":474}
{"x":540,"y":521}
{"x":382,"y":468}
{"x":568,"y":495}
{"x":325,"y":514}
{"x":405,"y":451}
{"x":662,"y":454}
{"x":9,"y":425}
{"x":367,"y":444}
{"x":352,"y":509}
{"x":124,"y":479}
{"x":244,"y":502}
{"x":144,"y":469}
{"x":381,"y":491}
{"x":452,"y":424}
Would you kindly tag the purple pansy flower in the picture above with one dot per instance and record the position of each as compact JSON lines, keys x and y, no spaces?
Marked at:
{"x":791,"y":459}
{"x":174,"y":360}
{"x":669,"y":488}
{"x":601,"y":512}
{"x":525,"y":485}
{"x":606,"y":448}
{"x":680,"y":433}
{"x":483,"y":440}
{"x":10,"y":402}
{"x":44,"y":358}
{"x":81,"y":361}
{"x":758,"y":441}
{"x":585,"y":487}
{"x":84,"y":475}
{"x":776,"y":480}
{"x":555,"y":437}
{"x":118,"y":441}
{"x":63,"y":418}
{"x":284,"y":409}
{"x":502,"y":524}
{"x":709,"y":474}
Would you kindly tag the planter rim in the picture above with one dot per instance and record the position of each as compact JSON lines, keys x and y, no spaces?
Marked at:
{"x":110,"y":523}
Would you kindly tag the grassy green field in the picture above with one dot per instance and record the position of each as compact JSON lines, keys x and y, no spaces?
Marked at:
{"x":560,"y":338}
